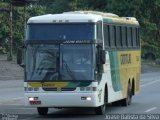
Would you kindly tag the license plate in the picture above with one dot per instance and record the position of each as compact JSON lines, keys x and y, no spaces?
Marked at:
{"x":35,"y":102}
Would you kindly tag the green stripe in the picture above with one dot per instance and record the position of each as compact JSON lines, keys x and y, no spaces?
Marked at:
{"x":78,"y":84}
{"x":115,"y":73}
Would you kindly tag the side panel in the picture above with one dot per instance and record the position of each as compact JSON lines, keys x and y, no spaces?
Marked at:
{"x":130,"y":69}
{"x":111,"y":77}
{"x":121,"y":67}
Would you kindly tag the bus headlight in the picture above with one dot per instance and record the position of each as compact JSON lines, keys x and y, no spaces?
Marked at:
{"x":34,"y":101}
{"x":88,"y":89}
{"x":88,"y":98}
{"x":30,"y":89}
{"x":32,"y":98}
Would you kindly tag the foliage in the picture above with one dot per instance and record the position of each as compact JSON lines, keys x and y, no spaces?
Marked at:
{"x":146,"y":11}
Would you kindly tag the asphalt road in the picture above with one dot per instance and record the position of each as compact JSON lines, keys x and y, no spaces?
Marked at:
{"x":147,"y":102}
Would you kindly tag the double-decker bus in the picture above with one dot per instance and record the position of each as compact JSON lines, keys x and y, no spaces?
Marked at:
{"x":81,"y":59}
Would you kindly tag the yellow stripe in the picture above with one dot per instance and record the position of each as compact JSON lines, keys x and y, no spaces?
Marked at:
{"x":47,"y":84}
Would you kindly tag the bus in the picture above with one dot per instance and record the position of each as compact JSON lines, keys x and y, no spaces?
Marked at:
{"x":81,"y":59}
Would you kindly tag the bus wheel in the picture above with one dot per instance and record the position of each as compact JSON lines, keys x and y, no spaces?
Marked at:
{"x":42,"y":110}
{"x":101,"y":110}
{"x":117,"y":103}
{"x":127,"y":101}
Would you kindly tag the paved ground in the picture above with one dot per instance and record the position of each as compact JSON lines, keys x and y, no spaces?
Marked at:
{"x":149,"y":66}
{"x":147,"y":103}
{"x":12,"y":97}
{"x":9,"y":70}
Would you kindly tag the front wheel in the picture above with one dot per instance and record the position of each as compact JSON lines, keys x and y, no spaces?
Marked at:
{"x":42,"y":110}
{"x":101,"y":110}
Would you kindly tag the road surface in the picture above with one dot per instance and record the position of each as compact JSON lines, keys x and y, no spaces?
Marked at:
{"x":147,"y":102}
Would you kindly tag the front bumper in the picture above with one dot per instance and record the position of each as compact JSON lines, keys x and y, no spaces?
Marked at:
{"x":63,"y":99}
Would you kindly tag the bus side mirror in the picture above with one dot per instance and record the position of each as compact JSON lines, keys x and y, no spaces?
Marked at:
{"x":20,"y":57}
{"x":102,"y":56}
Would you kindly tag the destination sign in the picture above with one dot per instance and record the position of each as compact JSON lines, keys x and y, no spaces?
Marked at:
{"x":60,"y":41}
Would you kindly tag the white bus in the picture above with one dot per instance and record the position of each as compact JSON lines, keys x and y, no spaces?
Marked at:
{"x":81,"y":59}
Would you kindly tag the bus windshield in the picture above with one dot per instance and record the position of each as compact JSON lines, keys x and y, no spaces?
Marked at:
{"x":77,"y":62}
{"x":41,"y":63}
{"x":72,"y":31}
{"x":59,"y":62}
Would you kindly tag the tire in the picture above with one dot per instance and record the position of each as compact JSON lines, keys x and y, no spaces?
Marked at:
{"x":117,"y":103}
{"x":42,"y":110}
{"x":127,"y":101}
{"x":101,"y":110}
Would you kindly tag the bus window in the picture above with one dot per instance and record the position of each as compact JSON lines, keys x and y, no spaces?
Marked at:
{"x":112,"y":36}
{"x":121,"y":36}
{"x":99,"y":32}
{"x":129,"y":37}
{"x":134,"y":37}
{"x":67,"y":31}
{"x":137,"y":37}
{"x":118,"y":37}
{"x":106,"y":36}
{"x":124,"y":38}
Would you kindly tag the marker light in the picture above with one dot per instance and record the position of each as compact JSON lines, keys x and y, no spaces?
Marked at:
{"x":88,"y":89}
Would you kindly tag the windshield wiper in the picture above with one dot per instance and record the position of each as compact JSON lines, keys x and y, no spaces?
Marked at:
{"x":69,"y":70}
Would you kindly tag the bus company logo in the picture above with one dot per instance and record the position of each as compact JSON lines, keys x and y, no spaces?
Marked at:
{"x":137,"y":58}
{"x":48,"y":85}
{"x":76,"y":41}
{"x":125,"y":59}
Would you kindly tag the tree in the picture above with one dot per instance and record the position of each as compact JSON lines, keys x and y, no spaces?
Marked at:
{"x":143,"y":10}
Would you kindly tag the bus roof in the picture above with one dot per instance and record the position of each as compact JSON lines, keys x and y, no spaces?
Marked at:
{"x":83,"y":16}
{"x":65,"y":18}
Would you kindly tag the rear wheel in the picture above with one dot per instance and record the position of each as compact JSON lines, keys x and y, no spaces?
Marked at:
{"x":42,"y":110}
{"x":127,"y":101}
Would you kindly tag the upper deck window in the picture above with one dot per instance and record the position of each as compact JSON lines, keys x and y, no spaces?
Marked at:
{"x":72,"y":31}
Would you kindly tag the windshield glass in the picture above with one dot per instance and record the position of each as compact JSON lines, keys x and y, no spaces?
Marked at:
{"x":59,"y":62}
{"x":77,"y":62}
{"x":42,"y":62}
{"x":72,"y":31}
